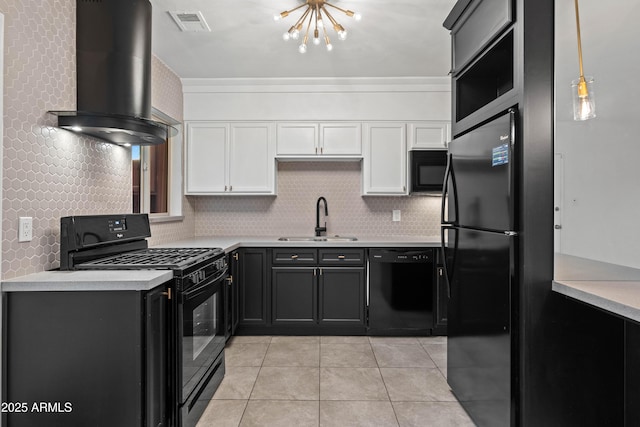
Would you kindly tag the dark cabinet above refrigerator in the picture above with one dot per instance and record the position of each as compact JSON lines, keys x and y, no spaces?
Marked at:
{"x":484,"y":57}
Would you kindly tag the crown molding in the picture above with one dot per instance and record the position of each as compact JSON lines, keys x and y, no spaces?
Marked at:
{"x":314,"y":84}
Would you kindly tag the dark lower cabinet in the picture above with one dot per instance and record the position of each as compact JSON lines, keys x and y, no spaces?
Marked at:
{"x":342,"y":296}
{"x":318,"y":290}
{"x":86,"y":358}
{"x":327,"y":296}
{"x":252,"y":278}
{"x":294,"y":296}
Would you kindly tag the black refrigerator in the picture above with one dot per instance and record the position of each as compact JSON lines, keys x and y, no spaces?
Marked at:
{"x":479,"y":238}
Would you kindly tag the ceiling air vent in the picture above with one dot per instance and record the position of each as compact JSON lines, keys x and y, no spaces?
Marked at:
{"x":190,"y":21}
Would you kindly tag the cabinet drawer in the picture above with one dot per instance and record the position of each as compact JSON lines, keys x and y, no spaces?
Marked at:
{"x":341,"y":257}
{"x":477,"y":27}
{"x":293,"y":256}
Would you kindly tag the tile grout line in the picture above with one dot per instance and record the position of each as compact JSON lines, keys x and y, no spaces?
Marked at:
{"x":255,"y":382}
{"x":385,"y":384}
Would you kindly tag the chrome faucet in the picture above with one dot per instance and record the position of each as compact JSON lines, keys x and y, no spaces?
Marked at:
{"x":319,"y":229}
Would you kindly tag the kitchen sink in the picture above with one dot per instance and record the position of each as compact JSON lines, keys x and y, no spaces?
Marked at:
{"x":318,"y":239}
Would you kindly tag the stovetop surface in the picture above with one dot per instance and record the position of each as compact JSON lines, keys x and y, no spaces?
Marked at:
{"x":154,"y":258}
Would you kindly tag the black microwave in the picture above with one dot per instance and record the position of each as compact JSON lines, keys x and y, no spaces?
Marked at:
{"x":427,"y":171}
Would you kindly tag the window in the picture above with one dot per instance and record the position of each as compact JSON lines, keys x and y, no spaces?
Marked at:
{"x":157,"y":175}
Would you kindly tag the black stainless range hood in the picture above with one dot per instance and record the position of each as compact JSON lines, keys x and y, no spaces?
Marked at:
{"x":113,"y":54}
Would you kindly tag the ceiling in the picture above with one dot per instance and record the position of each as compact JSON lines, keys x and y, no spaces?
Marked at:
{"x":399,"y":38}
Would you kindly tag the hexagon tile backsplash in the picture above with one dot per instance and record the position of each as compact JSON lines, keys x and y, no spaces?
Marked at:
{"x":49,"y":172}
{"x":293,"y":211}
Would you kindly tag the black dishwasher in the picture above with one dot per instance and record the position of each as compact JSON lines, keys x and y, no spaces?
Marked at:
{"x":401,"y":291}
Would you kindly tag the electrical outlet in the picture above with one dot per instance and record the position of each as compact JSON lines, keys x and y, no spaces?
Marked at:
{"x":25,"y":229}
{"x":396,"y":215}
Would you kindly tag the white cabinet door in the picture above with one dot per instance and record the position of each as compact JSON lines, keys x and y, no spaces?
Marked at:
{"x":297,"y":139}
{"x":429,"y":135}
{"x":252,"y":158}
{"x":206,"y":158}
{"x":384,"y":168}
{"x":340,"y":139}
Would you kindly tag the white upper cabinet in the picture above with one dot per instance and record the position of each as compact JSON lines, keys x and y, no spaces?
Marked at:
{"x":315,"y":140}
{"x":384,"y":167}
{"x":230,"y":158}
{"x":430,"y":135}
{"x":251,"y":158}
{"x":206,"y":157}
{"x":340,"y":139}
{"x":297,"y":139}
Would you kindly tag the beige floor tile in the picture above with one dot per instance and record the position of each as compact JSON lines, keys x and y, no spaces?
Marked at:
{"x":222,"y":413}
{"x":352,"y":384}
{"x":394,"y":340}
{"x":275,"y":383}
{"x":250,"y":339}
{"x":357,"y":414}
{"x":281,"y":413}
{"x":347,"y":355}
{"x":438,"y":353}
{"x":402,"y":356}
{"x":433,"y":340}
{"x":434,"y":414}
{"x":237,"y":383}
{"x":292,"y":354}
{"x":344,"y":340}
{"x":245,"y":354}
{"x":416,"y":384}
{"x":311,"y":339}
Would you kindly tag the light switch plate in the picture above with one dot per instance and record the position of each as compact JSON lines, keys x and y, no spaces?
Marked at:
{"x":396,"y":215}
{"x":25,"y":229}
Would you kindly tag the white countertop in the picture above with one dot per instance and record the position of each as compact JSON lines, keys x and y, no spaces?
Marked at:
{"x":143,"y":280}
{"x":610,"y":287}
{"x":230,"y":243}
{"x":103,"y":280}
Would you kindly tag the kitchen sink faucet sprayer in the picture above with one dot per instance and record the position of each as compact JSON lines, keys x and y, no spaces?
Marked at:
{"x":319,"y":229}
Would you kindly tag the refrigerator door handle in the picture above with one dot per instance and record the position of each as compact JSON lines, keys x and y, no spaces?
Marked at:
{"x":445,"y":192}
{"x":448,"y":277}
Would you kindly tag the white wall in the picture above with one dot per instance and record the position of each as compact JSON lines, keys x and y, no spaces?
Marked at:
{"x":600,"y":204}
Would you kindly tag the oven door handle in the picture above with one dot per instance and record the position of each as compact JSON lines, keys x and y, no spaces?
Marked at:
{"x":197,"y":290}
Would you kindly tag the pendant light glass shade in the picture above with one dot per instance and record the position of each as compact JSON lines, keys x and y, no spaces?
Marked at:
{"x":584,"y":105}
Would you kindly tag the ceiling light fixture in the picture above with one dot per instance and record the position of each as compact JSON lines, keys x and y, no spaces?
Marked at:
{"x":584,"y":107}
{"x":314,"y":14}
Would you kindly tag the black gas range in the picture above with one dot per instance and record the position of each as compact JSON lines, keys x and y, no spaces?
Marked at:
{"x":197,"y":314}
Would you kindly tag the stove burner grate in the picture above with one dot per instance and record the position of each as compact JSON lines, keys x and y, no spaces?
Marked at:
{"x":154,"y":258}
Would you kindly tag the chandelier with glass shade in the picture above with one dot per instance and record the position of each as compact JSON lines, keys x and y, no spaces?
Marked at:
{"x":313,"y":18}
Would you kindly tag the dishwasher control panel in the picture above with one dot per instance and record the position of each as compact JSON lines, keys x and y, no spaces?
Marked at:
{"x":401,"y":256}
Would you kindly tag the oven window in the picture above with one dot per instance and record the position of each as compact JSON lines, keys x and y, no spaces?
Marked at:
{"x":204,"y":326}
{"x":202,"y":334}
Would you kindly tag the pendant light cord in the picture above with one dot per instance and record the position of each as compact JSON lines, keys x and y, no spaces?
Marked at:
{"x":579,"y":42}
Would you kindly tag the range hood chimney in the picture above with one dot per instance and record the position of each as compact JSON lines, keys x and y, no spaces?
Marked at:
{"x":113,"y":56}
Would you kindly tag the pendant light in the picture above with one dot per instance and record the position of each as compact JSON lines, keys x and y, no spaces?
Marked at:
{"x":584,"y":107}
